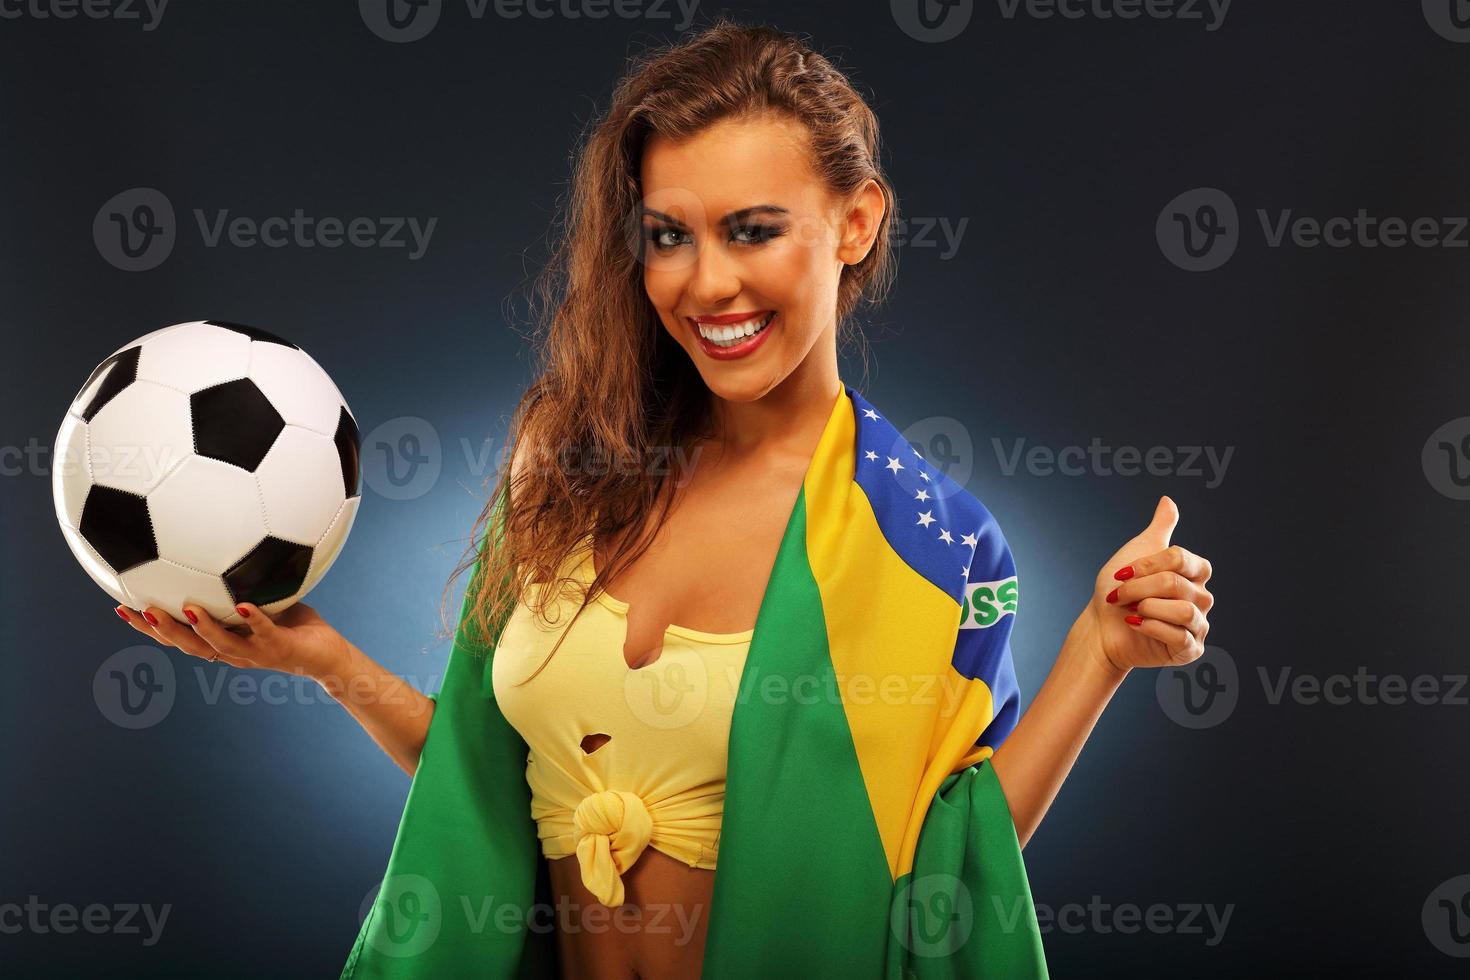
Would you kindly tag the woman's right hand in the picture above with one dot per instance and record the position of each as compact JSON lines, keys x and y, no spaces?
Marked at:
{"x":295,"y":640}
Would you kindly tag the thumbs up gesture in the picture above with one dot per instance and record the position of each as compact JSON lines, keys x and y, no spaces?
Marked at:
{"x":1149,"y":602}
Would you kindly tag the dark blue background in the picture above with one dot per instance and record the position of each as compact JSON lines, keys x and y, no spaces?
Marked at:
{"x":1058,"y":320}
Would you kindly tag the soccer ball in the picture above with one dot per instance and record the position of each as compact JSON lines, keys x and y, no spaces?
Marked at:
{"x":209,"y":463}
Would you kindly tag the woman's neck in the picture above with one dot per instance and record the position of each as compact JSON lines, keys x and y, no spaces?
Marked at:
{"x":788,"y":418}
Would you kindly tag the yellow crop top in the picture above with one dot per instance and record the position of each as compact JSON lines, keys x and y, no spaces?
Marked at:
{"x":659,"y":779}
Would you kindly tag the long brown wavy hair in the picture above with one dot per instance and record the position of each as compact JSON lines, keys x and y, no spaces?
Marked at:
{"x":615,"y":397}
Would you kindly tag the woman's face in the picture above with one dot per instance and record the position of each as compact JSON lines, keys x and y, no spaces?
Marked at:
{"x":739,"y":232}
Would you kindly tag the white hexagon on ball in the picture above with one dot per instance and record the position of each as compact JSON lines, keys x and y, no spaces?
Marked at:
{"x":298,"y":387}
{"x":139,"y":437}
{"x":163,"y":583}
{"x":69,"y":488}
{"x":330,"y":546}
{"x":206,"y":515}
{"x":194,"y":356}
{"x":301,"y":483}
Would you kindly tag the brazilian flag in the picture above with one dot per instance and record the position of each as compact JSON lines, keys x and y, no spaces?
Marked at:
{"x":865,"y":834}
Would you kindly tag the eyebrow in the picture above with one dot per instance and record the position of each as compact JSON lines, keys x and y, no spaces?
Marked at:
{"x":732,"y":216}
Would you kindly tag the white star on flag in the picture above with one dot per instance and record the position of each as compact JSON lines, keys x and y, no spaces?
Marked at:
{"x":893,"y":465}
{"x":926,"y":518}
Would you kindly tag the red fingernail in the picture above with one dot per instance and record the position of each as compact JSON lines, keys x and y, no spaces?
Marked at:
{"x":1133,"y":606}
{"x":123,"y":613}
{"x":1113,"y":596}
{"x":192,"y":618}
{"x":152,"y":620}
{"x":1124,"y":574}
{"x":1133,"y":620}
{"x":243,"y":611}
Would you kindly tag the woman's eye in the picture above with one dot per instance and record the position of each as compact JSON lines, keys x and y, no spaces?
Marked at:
{"x":756,"y":233}
{"x":656,"y":236}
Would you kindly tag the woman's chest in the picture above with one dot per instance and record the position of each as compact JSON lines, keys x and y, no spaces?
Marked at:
{"x":676,"y":709}
{"x":707,"y":567}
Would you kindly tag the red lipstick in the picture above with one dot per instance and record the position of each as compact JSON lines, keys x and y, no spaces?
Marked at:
{"x":743,"y":349}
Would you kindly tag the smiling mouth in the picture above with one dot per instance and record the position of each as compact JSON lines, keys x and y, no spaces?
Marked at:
{"x":733,"y":334}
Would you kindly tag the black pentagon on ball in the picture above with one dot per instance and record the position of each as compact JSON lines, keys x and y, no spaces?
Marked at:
{"x":272,"y":571}
{"x":235,"y":423}
{"x":121,"y":370}
{"x":349,"y":451}
{"x":116,"y":524}
{"x":254,"y":333}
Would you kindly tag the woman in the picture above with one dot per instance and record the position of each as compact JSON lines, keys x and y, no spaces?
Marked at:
{"x":690,"y":463}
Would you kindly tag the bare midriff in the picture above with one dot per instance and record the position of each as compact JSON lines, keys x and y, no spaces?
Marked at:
{"x":657,"y":933}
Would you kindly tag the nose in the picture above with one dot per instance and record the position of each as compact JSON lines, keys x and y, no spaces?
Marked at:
{"x":716,"y":278}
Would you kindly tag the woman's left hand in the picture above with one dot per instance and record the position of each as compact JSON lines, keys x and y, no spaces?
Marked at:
{"x":1149,"y":603}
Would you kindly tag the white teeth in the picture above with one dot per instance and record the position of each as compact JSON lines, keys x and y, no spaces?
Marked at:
{"x":728,"y":336}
